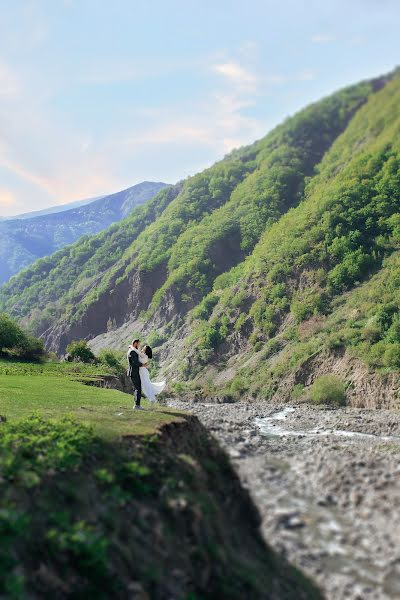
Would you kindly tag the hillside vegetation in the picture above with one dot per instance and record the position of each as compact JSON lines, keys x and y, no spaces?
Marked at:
{"x":243,"y":259}
{"x":347,"y":222}
{"x":23,"y":240}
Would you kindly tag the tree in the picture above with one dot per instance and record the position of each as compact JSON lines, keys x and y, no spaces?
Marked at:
{"x":11,"y":335}
{"x":14,"y":340}
{"x":79,"y":350}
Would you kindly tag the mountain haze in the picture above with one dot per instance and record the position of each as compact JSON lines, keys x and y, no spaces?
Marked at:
{"x":256,"y":273}
{"x":51,"y":210}
{"x":25,"y":238}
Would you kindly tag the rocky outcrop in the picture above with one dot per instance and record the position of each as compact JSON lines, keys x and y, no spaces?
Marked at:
{"x":121,"y":302}
{"x":365,"y":388}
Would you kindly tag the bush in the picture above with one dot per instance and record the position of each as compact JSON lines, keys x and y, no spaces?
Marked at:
{"x":10,"y":334}
{"x":79,"y":350}
{"x":156,"y":338}
{"x":14,"y":341}
{"x":328,"y":389}
{"x":372,"y":333}
{"x":391,"y":358}
{"x":297,"y":391}
{"x":393,"y":333}
{"x":110,"y":358}
{"x":238,"y":387}
{"x":31,"y":349}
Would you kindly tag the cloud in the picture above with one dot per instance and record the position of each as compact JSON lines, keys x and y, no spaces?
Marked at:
{"x":237,"y":75}
{"x":25,"y":174}
{"x":7,"y":198}
{"x":323,"y":38}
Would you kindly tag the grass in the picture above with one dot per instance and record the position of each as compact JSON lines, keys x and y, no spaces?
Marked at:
{"x":21,"y":367}
{"x":54,"y":391}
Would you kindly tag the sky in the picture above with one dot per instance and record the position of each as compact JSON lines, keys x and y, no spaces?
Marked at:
{"x":98,"y":95}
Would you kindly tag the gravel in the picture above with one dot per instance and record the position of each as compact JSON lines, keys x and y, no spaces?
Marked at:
{"x":327,"y":485}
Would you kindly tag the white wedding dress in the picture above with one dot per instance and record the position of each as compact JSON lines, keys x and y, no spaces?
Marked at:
{"x":150,"y":389}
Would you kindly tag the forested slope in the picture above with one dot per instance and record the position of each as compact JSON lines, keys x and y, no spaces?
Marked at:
{"x":247,"y":258}
{"x":167,"y":258}
{"x":338,"y":236}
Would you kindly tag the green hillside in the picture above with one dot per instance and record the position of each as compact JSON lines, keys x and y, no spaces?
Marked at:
{"x":248,"y":257}
{"x":183,"y":247}
{"x":54,"y":285}
{"x":346,"y":224}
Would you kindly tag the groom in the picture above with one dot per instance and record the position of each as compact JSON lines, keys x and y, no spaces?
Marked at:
{"x":133,"y":371}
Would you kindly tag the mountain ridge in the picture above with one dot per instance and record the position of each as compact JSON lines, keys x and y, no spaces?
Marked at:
{"x":243,"y":255}
{"x":50,"y":210}
{"x":23,"y":240}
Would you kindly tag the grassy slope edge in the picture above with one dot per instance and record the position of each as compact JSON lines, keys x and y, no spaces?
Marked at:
{"x":103,"y":501}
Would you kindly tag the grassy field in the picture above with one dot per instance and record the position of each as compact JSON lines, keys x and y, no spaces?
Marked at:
{"x":55,"y":390}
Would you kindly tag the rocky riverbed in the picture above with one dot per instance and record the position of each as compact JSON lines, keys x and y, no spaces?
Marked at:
{"x":327,"y":485}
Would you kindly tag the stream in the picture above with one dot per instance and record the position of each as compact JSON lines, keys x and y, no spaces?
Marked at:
{"x":327,"y":485}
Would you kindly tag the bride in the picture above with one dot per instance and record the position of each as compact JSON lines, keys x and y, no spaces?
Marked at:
{"x":150,"y":389}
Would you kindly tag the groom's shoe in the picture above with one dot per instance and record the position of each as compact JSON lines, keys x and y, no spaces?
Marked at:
{"x":136,"y":407}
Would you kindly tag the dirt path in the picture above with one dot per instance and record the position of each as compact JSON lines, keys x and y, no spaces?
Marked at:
{"x":327,"y":485}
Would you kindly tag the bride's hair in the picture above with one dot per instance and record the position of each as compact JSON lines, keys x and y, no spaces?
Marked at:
{"x":148,"y":351}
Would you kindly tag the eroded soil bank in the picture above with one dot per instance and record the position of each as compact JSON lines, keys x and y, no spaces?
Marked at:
{"x":152,"y":517}
{"x":327,"y":485}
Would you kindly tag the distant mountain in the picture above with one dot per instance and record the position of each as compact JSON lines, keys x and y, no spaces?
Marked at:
{"x":51,"y":210}
{"x":24,"y":239}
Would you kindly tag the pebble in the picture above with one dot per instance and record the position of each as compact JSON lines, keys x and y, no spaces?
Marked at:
{"x":303,"y":484}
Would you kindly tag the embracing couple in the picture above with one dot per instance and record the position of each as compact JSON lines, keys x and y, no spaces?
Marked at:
{"x":138,"y":360}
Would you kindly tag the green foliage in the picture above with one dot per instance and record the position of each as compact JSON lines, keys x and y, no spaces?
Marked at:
{"x":391,"y":357}
{"x":307,"y":303}
{"x":76,"y":510}
{"x":156,"y":338}
{"x":111,"y":359}
{"x":338,"y":235}
{"x":297,"y":391}
{"x":16,"y":342}
{"x":79,"y":350}
{"x":328,"y":389}
{"x":238,"y":387}
{"x":43,"y":445}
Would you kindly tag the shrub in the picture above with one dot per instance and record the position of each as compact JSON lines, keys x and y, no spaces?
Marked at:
{"x":237,"y":387}
{"x":14,"y":341}
{"x":79,"y":350}
{"x":31,"y":349}
{"x":110,"y":359}
{"x":156,"y":338}
{"x":391,"y":358}
{"x":10,"y":334}
{"x":178,"y":387}
{"x":328,"y":389}
{"x":309,"y":302}
{"x":374,"y":353}
{"x":393,"y":333}
{"x":297,"y":391}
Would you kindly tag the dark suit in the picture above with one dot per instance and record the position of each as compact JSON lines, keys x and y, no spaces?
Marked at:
{"x":133,"y":373}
